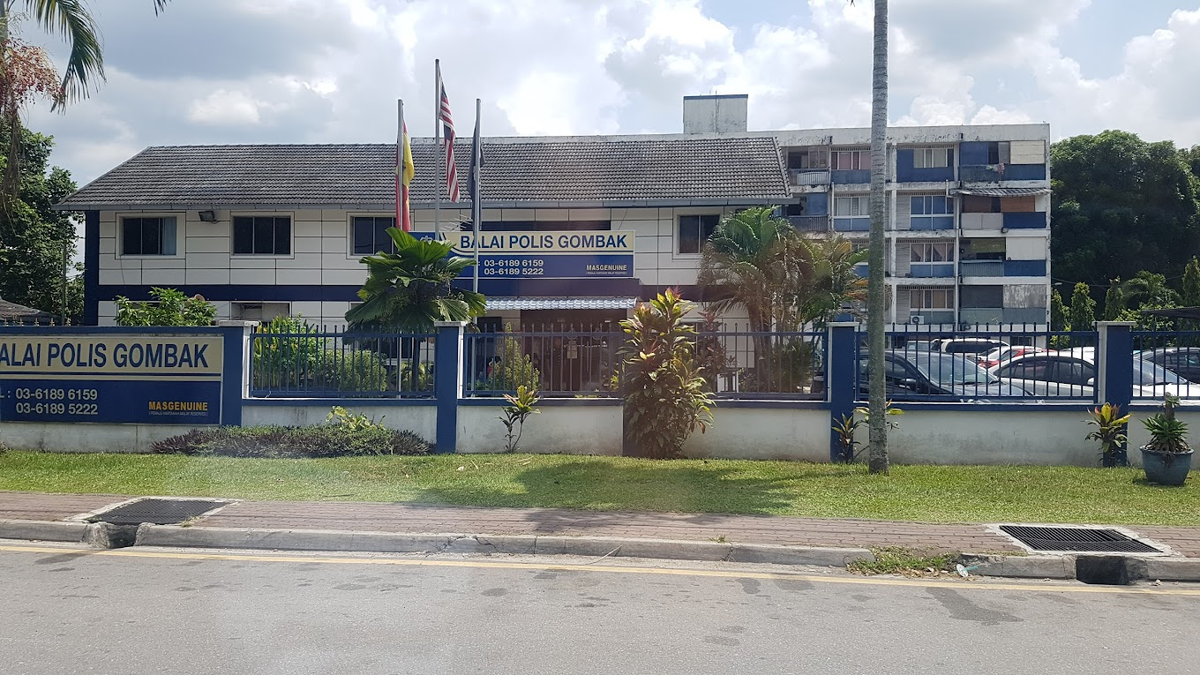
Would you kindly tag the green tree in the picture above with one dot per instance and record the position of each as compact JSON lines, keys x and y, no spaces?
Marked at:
{"x":1083,"y":308}
{"x":1112,"y":300}
{"x":37,"y":243}
{"x":1121,"y":205}
{"x":1191,"y":282}
{"x":745,"y":261}
{"x":1058,"y":313}
{"x":28,"y":74}
{"x":169,"y":308}
{"x":410,"y":289}
{"x":1146,"y":288}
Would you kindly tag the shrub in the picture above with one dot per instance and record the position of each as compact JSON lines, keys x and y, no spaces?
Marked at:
{"x":514,"y":368}
{"x":171,"y":308}
{"x":326,"y":440}
{"x":520,"y":407}
{"x":666,"y":397}
{"x":290,"y":355}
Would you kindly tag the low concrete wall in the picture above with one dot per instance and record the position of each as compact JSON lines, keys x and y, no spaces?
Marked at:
{"x":763,"y":433}
{"x":1028,"y":436}
{"x":419,"y":419}
{"x":567,"y":429}
{"x":77,"y":437}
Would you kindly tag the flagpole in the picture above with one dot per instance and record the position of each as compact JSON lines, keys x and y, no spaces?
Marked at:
{"x":476,"y":209}
{"x":437,"y":126}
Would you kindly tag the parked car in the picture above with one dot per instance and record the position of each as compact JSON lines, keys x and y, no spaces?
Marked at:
{"x":1001,"y":354}
{"x":1183,"y":361}
{"x":1072,"y":374}
{"x":968,"y":346}
{"x":913,"y":375}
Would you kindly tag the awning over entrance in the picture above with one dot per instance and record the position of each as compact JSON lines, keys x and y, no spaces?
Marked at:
{"x":1001,"y":192}
{"x":512,"y":304}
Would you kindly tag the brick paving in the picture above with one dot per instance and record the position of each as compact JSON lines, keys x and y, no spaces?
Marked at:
{"x":430,"y":519}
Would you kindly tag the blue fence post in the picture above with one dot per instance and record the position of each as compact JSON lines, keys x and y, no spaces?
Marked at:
{"x":448,"y":381}
{"x":841,"y":382}
{"x":1114,"y":368}
{"x":235,"y":378}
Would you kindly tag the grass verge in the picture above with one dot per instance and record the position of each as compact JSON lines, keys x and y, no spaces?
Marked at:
{"x":905,"y":562}
{"x":919,"y":493}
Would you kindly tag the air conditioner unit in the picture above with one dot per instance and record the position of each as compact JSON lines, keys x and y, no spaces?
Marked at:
{"x":917,"y":320}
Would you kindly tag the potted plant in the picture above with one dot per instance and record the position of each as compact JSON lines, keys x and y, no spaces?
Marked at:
{"x":1110,"y":432}
{"x":1167,"y":458}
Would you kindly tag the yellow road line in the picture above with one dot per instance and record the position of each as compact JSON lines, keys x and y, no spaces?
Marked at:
{"x":610,"y":569}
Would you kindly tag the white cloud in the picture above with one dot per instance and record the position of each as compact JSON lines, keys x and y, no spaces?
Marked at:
{"x":224,"y":107}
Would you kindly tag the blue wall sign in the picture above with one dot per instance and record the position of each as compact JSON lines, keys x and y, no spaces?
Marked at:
{"x":548,"y":255}
{"x":153,"y":379}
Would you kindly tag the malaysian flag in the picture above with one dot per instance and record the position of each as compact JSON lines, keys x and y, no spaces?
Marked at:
{"x":447,"y":121}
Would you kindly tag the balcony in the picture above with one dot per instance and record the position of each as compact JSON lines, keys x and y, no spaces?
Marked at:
{"x":980,"y":173}
{"x":850,"y":177}
{"x":851,"y":224}
{"x":928,"y":223}
{"x":982,"y":221}
{"x":1024,"y":268}
{"x":939,"y":270}
{"x":809,"y":223}
{"x":1035,"y":220}
{"x":999,"y":315}
{"x":809,"y":177}
{"x":981,"y":268}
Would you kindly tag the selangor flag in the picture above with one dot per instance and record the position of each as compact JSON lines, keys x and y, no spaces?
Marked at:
{"x":404,"y":175}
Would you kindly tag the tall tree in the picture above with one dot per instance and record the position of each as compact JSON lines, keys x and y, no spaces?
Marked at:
{"x":1058,"y":313}
{"x":1146,"y":288}
{"x":1191,"y":284}
{"x":743,"y":261}
{"x":1083,"y":308}
{"x":1112,"y":300}
{"x":26,"y":73}
{"x":37,"y":243}
{"x":877,"y":453}
{"x":1122,"y":205}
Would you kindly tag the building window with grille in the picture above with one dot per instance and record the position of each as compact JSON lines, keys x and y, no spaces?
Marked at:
{"x":694,"y":231}
{"x":262,"y":235}
{"x":931,"y":158}
{"x":851,"y":160}
{"x":931,"y":298}
{"x":369,"y":234}
{"x":148,"y":236}
{"x":932,"y":252}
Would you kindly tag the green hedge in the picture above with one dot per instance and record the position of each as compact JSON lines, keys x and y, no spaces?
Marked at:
{"x":298,"y":360}
{"x":327,"y":440}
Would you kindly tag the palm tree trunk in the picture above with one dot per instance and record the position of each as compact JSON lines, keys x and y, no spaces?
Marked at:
{"x":876,"y":289}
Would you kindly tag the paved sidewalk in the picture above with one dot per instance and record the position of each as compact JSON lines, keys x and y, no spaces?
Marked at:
{"x":431,"y":519}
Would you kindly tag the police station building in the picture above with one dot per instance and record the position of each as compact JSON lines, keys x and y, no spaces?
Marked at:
{"x":575,"y":230}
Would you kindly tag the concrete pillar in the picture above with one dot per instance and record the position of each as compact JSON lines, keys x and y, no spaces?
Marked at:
{"x":841,"y":383}
{"x":448,"y":381}
{"x":235,"y":380}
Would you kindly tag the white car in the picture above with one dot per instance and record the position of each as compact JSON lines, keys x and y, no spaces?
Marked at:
{"x":1071,"y":373}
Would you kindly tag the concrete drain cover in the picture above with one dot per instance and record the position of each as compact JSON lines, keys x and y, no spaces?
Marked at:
{"x":157,"y":511}
{"x":1082,"y":539}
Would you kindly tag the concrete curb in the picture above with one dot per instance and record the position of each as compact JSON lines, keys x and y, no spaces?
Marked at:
{"x":389,"y":542}
{"x":41,"y":530}
{"x":1022,"y":566}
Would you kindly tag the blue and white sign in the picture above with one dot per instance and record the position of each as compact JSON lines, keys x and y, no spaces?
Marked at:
{"x":157,"y":379}
{"x":549,"y":255}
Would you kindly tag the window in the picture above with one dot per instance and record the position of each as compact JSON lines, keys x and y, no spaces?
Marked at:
{"x":932,"y":252}
{"x":262,"y":235}
{"x":259,"y":311}
{"x":932,"y":298}
{"x":694,"y":231}
{"x":1037,"y":368}
{"x":148,"y":236}
{"x":931,"y":205}
{"x":851,"y":160}
{"x":852,"y":206}
{"x":931,"y":158}
{"x":808,"y":160}
{"x":368,"y":234}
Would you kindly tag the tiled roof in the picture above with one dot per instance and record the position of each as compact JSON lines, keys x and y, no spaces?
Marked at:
{"x":11,"y":310}
{"x":597,"y":171}
{"x":510,"y":304}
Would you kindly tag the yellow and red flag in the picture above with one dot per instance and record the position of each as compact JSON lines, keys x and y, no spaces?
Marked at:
{"x":404,"y":173}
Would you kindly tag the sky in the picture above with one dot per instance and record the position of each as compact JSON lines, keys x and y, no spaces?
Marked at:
{"x":329,"y":71}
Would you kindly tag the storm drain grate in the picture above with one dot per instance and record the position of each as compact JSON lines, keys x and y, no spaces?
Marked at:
{"x":1076,"y":539}
{"x":157,"y":511}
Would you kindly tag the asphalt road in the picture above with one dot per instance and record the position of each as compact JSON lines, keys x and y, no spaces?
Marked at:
{"x":134,"y":611}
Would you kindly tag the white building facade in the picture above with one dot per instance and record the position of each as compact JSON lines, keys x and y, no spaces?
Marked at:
{"x":576,"y":229}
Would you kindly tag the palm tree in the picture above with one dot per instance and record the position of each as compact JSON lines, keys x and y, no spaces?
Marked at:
{"x":26,"y":72}
{"x":410,"y":289}
{"x":745,"y":259}
{"x":832,"y":281}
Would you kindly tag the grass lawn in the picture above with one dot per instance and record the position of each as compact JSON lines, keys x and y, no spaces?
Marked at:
{"x":922,"y":493}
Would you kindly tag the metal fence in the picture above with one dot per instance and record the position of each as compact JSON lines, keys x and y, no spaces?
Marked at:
{"x":985,"y":363}
{"x":777,"y":365}
{"x":558,"y":361}
{"x":1166,"y":362}
{"x":311,"y":363}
